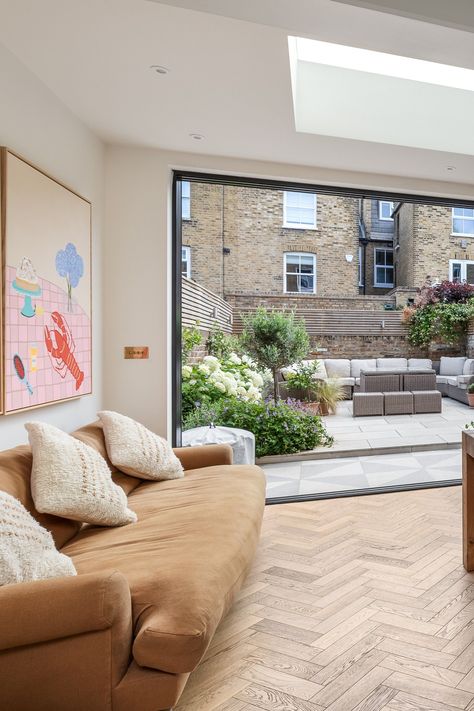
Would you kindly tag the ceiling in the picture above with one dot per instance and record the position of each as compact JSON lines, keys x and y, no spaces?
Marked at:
{"x":229,"y":75}
{"x":458,"y":14}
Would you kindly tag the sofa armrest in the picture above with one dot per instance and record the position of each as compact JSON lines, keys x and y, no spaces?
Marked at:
{"x":208,"y":455}
{"x":45,"y":610}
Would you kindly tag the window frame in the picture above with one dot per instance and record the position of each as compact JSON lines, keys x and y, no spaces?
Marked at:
{"x":463,"y":263}
{"x":185,"y":200}
{"x":285,"y":273}
{"x":187,"y":250}
{"x":386,"y":202}
{"x":469,"y":219}
{"x":300,"y":225}
{"x":392,"y":267}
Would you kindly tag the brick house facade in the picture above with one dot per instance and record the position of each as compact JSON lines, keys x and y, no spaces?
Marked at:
{"x":256,"y":242}
{"x":433,"y":242}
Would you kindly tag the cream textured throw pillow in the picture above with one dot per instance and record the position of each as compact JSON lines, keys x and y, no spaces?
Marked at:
{"x":136,"y":451}
{"x":73,"y":480}
{"x":27,"y":550}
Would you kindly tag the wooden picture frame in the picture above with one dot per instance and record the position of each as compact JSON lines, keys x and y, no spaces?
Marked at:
{"x":47,"y":288}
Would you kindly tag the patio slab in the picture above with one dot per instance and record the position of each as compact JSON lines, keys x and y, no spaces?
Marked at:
{"x":366,"y":436}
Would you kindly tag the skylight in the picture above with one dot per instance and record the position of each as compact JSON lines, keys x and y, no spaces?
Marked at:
{"x":390,"y":65}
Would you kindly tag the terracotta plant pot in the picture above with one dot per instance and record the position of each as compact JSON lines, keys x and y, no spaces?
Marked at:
{"x":470,"y":397}
{"x":313,"y":407}
{"x":323,"y":408}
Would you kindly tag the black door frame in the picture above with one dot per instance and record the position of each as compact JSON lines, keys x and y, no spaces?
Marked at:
{"x":266,"y":184}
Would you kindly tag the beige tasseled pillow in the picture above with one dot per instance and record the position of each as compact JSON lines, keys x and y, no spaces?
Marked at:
{"x":135,"y":450}
{"x":72,"y":480}
{"x":27,"y":550}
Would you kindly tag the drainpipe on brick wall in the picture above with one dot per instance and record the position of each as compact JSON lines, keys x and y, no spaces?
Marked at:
{"x":223,"y":241}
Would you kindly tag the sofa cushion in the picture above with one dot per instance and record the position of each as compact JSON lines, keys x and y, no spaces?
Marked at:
{"x":391,"y":363}
{"x":27,"y":550}
{"x":442,"y":379}
{"x":348,"y":382}
{"x":184,"y":559}
{"x":338,"y":367}
{"x":15,"y":479}
{"x":468,"y":368}
{"x":358,"y":365}
{"x":320,"y":373}
{"x":420,"y":363}
{"x":71,"y":479}
{"x":136,"y":450}
{"x":463,"y":379}
{"x":452,"y":380}
{"x":451,"y":366}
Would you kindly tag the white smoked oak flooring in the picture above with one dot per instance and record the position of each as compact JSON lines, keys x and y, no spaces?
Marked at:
{"x":358,"y":604}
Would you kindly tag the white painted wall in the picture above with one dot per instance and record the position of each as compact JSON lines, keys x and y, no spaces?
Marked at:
{"x":35,"y":124}
{"x":137,"y":261}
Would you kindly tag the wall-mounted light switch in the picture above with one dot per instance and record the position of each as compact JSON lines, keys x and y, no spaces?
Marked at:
{"x":136,"y":352}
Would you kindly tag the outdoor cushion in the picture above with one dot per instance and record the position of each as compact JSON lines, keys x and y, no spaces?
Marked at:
{"x":451,"y":366}
{"x":184,"y":559}
{"x":468,"y":368}
{"x":420,"y":363}
{"x":389,"y":363}
{"x":357,"y":381}
{"x":442,"y":379}
{"x":463,"y":379}
{"x":338,"y":367}
{"x":320,"y":374}
{"x":358,"y":365}
{"x":345,"y":381}
{"x":453,"y":380}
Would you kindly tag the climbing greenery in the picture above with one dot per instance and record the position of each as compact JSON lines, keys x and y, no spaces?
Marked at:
{"x":445,"y":322}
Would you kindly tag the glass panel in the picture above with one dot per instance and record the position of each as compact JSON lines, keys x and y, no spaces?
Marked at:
{"x":379,"y":256}
{"x":380,"y":275}
{"x":186,"y":200}
{"x":389,"y":257}
{"x":306,"y":283}
{"x":470,"y":273}
{"x":186,"y":188}
{"x":307,"y":268}
{"x":300,"y":200}
{"x":456,"y":268}
{"x":293,"y":215}
{"x":292,"y":282}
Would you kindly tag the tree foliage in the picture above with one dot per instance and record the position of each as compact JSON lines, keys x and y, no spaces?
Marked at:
{"x":274,"y":339}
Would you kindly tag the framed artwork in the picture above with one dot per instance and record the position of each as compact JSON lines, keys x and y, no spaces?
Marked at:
{"x":47,"y":334}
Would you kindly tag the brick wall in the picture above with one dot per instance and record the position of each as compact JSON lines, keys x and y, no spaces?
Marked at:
{"x":286,"y":302}
{"x":376,"y":347}
{"x":427,"y":245}
{"x":248,"y":222}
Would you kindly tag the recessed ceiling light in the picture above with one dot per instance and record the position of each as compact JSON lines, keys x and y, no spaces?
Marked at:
{"x":197,"y":136}
{"x":159,"y":69}
{"x":391,"y":65}
{"x":451,"y":168}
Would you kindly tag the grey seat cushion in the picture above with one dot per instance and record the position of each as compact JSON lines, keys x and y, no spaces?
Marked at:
{"x":420,"y":363}
{"x":391,"y":363}
{"x":358,"y":364}
{"x":451,"y":366}
{"x":338,"y":367}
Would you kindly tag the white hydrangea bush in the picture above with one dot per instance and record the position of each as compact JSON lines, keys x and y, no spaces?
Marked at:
{"x":213,"y":379}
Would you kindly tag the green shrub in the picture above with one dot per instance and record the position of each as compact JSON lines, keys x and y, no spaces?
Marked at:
{"x":221,"y":344}
{"x":279,"y":427}
{"x":190,"y":338}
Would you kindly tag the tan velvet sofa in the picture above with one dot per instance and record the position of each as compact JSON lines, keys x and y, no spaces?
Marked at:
{"x":127,"y":631}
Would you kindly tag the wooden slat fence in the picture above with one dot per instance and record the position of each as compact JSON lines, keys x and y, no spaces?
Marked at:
{"x":342,"y":323}
{"x":202,"y":308}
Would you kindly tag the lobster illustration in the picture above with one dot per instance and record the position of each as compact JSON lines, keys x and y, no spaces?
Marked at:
{"x":60,"y":345}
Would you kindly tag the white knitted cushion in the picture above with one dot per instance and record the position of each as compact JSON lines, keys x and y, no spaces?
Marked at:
{"x":27,"y":550}
{"x":72,"y":480}
{"x":135,"y":450}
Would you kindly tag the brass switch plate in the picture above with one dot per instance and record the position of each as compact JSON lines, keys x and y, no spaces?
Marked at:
{"x":136,"y":352}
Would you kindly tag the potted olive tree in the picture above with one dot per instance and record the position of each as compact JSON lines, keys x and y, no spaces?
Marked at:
{"x":470,"y":394}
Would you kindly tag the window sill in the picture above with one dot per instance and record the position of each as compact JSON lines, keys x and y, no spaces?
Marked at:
{"x":299,"y":293}
{"x":300,"y":228}
{"x":462,"y":234}
{"x":383,"y":286}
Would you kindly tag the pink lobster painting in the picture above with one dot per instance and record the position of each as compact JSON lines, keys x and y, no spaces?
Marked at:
{"x":60,"y":345}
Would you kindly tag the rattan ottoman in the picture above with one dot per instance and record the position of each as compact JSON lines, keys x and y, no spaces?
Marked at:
{"x":426,"y":401}
{"x":419,"y":381}
{"x":366,"y":404}
{"x":400,"y":403}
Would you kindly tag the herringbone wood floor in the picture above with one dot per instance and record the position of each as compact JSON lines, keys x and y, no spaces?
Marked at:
{"x":353,"y":604}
